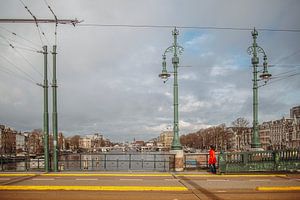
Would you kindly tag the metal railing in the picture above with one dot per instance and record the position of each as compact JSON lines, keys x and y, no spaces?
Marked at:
{"x":282,"y":160}
{"x":21,"y":164}
{"x":117,"y":162}
{"x":95,"y":162}
{"x":197,"y":161}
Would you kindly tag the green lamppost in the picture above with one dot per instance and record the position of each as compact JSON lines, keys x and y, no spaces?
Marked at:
{"x":175,"y":49}
{"x":254,"y":50}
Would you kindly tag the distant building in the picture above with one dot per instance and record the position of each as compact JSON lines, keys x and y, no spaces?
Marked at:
{"x":295,"y":112}
{"x":284,"y":133}
{"x":166,"y":138}
{"x":20,"y":143}
{"x":92,"y":142}
{"x":35,"y":142}
{"x":7,"y":140}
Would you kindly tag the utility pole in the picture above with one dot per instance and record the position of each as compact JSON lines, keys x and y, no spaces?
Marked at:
{"x":45,"y":86}
{"x":46,"y":114}
{"x":54,"y":112}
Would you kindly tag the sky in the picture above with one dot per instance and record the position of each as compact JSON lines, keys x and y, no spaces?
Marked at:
{"x":108,"y":76}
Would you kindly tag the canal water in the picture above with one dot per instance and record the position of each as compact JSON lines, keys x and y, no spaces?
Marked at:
{"x":111,"y":161}
{"x":151,"y":161}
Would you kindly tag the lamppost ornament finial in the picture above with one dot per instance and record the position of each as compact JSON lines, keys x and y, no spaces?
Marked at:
{"x":254,"y":33}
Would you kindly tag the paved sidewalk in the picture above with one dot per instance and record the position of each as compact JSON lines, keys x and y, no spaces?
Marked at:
{"x":142,"y":185}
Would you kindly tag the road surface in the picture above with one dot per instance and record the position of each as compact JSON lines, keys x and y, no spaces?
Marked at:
{"x":133,"y":186}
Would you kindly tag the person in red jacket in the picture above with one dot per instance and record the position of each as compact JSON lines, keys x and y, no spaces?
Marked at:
{"x":212,"y":159}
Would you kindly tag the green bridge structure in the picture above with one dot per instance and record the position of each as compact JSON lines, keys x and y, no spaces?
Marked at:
{"x":228,"y":162}
{"x":260,"y":161}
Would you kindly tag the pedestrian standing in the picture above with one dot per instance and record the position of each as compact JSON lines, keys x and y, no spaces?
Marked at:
{"x":212,"y":159}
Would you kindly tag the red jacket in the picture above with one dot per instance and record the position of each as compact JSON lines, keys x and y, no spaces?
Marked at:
{"x":212,"y":157}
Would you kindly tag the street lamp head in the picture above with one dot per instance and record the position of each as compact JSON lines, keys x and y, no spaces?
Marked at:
{"x":164,"y":74}
{"x":265,"y":75}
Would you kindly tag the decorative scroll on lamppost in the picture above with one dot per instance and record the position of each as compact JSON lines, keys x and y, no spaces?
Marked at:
{"x":254,"y":50}
{"x":175,"y":49}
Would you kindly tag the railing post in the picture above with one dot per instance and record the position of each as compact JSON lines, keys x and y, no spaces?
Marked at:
{"x":2,"y":162}
{"x":164,"y":164}
{"x":222,"y":162}
{"x":104,"y":161}
{"x":245,"y":158}
{"x":117,"y":163}
{"x":67,"y":161}
{"x":142,"y":163}
{"x":129,"y":161}
{"x":79,"y":161}
{"x":154,"y":161}
{"x":276,"y":160}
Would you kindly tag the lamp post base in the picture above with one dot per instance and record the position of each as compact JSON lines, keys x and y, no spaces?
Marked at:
{"x":178,"y":160}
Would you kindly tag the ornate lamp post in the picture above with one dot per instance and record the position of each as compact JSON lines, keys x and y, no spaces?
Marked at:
{"x":254,"y":50}
{"x":175,"y":49}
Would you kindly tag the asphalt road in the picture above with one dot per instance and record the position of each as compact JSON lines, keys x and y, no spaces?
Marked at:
{"x":137,"y":186}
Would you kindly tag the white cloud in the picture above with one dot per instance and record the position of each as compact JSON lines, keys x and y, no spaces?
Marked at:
{"x":189,"y":103}
{"x":224,"y":68}
{"x":108,"y":76}
{"x":198,"y":41}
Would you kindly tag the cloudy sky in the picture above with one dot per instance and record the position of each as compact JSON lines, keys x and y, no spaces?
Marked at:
{"x":108,"y":76}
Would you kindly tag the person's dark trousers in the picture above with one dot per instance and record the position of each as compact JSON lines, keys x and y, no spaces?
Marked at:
{"x":213,"y":168}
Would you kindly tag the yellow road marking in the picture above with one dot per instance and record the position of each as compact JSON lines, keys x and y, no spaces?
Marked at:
{"x":277,"y":188}
{"x":92,"y":188}
{"x":233,"y":175}
{"x":19,"y":174}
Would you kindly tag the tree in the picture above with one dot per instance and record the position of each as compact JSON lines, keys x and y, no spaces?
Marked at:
{"x":240,"y":123}
{"x":74,"y":141}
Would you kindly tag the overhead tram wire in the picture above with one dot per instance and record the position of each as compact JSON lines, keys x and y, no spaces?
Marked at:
{"x":282,"y":78}
{"x":19,"y":69}
{"x":13,"y":74}
{"x":187,"y":27}
{"x":56,"y":21}
{"x":19,"y":36}
{"x":21,"y":55}
{"x":18,"y":47}
{"x":280,"y":74}
{"x":287,"y":57}
{"x":40,"y":31}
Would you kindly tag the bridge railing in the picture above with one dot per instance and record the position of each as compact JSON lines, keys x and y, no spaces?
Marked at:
{"x":281,"y":160}
{"x":117,"y":162}
{"x":197,"y":161}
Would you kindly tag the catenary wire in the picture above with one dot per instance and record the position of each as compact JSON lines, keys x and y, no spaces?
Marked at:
{"x":56,"y":22}
{"x":18,"y":47}
{"x":21,"y":37}
{"x":282,"y":78}
{"x":287,"y":57}
{"x":21,"y":55}
{"x":40,"y":31}
{"x":18,"y":68}
{"x":13,"y":74}
{"x":187,"y":27}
